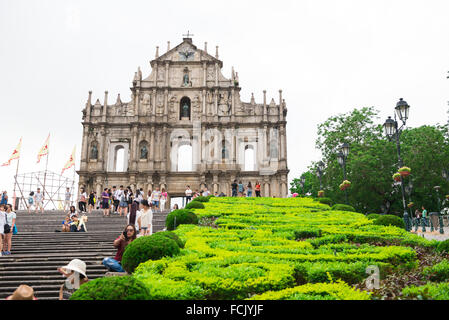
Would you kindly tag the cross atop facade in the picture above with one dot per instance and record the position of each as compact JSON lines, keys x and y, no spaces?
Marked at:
{"x":188,"y":35}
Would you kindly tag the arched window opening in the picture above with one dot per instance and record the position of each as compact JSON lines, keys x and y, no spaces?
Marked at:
{"x":249,"y":158}
{"x":119,"y":159}
{"x":185,"y":158}
{"x":184,"y":109}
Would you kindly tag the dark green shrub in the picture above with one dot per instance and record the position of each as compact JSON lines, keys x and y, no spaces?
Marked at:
{"x":146,"y":248}
{"x":343,"y":207}
{"x":327,"y":201}
{"x":438,"y":272}
{"x":373,"y":216}
{"x":201,"y":199}
{"x":390,"y":220}
{"x":443,"y":246}
{"x":112,"y":288}
{"x":172,"y":236}
{"x":183,"y":216}
{"x":309,"y":232}
{"x":430,"y":291}
{"x":194,"y":205}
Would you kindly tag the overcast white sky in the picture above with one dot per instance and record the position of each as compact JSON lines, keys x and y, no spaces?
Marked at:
{"x":328,"y":57}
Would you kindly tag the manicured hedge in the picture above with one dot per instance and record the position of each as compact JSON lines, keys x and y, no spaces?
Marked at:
{"x":443,"y":246}
{"x":390,"y":220}
{"x":112,"y":288}
{"x":343,"y":207}
{"x":183,"y":216}
{"x":202,"y":198}
{"x":430,"y":291}
{"x":285,"y":248}
{"x":373,"y":216}
{"x":172,"y":236}
{"x":147,"y":248}
{"x":194,"y":205}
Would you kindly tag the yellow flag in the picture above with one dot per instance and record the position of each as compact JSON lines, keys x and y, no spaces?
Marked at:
{"x":44,"y":150}
{"x":71,"y":161}
{"x":15,"y":154}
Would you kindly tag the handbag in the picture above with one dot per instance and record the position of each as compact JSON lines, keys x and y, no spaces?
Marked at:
{"x":14,"y":230}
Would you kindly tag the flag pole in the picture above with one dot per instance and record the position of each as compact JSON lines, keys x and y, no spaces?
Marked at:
{"x":15,"y":181}
{"x":46,"y":166}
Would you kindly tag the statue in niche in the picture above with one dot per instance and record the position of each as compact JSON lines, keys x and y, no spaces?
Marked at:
{"x":185,"y":78}
{"x":185,"y":110}
{"x":94,"y":152}
{"x":143,"y":152}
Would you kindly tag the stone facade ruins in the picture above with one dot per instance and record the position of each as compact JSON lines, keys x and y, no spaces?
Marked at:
{"x":185,"y":104}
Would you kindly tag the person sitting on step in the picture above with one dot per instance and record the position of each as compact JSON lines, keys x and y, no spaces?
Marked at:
{"x":125,"y":238}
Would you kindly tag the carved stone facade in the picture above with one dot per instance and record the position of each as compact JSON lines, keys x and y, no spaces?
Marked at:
{"x":185,"y":101}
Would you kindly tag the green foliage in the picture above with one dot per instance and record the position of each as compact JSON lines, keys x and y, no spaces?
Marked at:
{"x":372,"y":161}
{"x":152,"y":247}
{"x":443,"y":246}
{"x":438,"y":272}
{"x":172,"y":236}
{"x":327,"y":201}
{"x":112,"y":288}
{"x":194,"y":205}
{"x":272,"y":246}
{"x":343,"y":207}
{"x":430,"y":291}
{"x":183,"y":216}
{"x":390,"y":220}
{"x":317,"y":291}
{"x":202,"y":199}
{"x":307,"y":232}
{"x":373,"y":216}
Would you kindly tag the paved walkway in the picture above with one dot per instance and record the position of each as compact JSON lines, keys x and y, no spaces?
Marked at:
{"x":433,"y":235}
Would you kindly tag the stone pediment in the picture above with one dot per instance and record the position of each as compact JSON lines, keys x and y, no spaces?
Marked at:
{"x":186,"y":51}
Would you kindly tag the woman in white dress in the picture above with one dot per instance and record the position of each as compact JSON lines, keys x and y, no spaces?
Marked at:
{"x":146,"y":218}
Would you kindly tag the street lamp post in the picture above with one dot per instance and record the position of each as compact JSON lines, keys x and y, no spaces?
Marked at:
{"x":440,"y":217}
{"x":392,"y":131}
{"x":341,"y":158}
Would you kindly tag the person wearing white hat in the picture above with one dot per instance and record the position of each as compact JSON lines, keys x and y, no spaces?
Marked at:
{"x":75,"y":272}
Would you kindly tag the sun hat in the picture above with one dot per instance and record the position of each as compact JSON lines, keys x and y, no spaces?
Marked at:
{"x":76,"y":265}
{"x":23,"y":292}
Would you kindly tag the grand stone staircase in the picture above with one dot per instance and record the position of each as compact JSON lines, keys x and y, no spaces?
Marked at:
{"x":37,"y":250}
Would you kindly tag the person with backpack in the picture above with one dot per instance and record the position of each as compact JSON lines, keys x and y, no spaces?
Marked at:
{"x":30,"y":201}
{"x":241,"y":188}
{"x":4,"y":198}
{"x":123,"y":205}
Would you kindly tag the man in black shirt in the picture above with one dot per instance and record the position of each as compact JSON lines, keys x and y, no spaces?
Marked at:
{"x":234,"y":188}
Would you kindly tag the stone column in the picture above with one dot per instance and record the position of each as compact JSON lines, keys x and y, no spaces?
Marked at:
{"x":153,"y":106}
{"x":204,"y":74}
{"x":204,"y":113}
{"x":216,"y":106}
{"x":265,"y":106}
{"x":166,"y":73}
{"x":103,"y":150}
{"x":152,"y":149}
{"x":165,"y":105}
{"x":134,"y":146}
{"x":281,"y":107}
{"x":215,"y":183}
{"x":155,"y":74}
{"x":137,"y":103}
{"x":216,"y":74}
{"x":266,"y":185}
{"x":88,"y":106}
{"x":105,"y":107}
{"x":232,"y":104}
{"x":84,"y":148}
{"x":164,"y":149}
